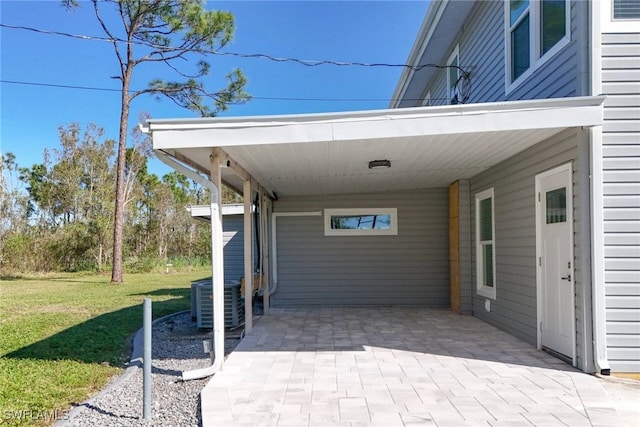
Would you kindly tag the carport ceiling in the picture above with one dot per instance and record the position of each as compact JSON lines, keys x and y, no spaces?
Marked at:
{"x":330,"y":153}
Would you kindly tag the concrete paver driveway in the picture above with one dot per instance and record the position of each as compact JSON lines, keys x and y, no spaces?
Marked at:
{"x":396,"y":367}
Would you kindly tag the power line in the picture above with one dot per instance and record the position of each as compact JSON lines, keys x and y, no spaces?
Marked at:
{"x":265,"y":98}
{"x":104,"y":89}
{"x":463,"y":81}
{"x":167,"y":49}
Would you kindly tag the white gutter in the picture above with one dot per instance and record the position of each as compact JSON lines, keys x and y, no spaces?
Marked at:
{"x":274,"y":243}
{"x":240,"y":123}
{"x":597,"y":205}
{"x":216,"y":267}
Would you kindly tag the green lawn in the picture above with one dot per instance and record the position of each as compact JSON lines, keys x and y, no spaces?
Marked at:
{"x":62,"y":337}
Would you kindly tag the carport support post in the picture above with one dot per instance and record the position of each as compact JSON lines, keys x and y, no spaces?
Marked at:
{"x":248,"y":258}
{"x":264,"y":212}
{"x":147,"y":361}
{"x":217,"y":263}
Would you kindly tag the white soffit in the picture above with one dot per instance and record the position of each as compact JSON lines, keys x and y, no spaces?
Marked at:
{"x":329,"y":153}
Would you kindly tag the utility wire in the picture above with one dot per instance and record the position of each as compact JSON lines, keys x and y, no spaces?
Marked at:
{"x":167,"y":49}
{"x":266,"y":98}
{"x":104,"y":89}
{"x":463,"y":82}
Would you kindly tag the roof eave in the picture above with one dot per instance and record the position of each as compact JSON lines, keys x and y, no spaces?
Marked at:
{"x":327,"y":154}
{"x":349,"y":125}
{"x":452,"y":15}
{"x":419,"y":45}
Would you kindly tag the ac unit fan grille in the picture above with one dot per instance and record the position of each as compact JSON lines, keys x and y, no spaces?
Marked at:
{"x":233,"y":308}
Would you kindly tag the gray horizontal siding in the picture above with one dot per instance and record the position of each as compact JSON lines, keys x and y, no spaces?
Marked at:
{"x":515,"y":308}
{"x":621,"y":162}
{"x":233,"y":241}
{"x":624,"y":328}
{"x":482,"y":54}
{"x":482,"y":49}
{"x":411,"y":268}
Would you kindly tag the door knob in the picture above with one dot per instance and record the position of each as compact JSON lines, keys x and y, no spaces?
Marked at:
{"x":568,"y":278}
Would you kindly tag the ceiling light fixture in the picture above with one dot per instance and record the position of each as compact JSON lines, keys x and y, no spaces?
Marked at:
{"x":379,"y":164}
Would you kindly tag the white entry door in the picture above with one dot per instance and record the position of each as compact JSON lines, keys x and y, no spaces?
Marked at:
{"x":556,"y":307}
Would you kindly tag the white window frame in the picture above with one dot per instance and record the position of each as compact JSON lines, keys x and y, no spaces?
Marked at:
{"x":455,"y":56}
{"x":536,"y":59}
{"x":481,"y":289}
{"x":610,"y":25}
{"x":392,"y":212}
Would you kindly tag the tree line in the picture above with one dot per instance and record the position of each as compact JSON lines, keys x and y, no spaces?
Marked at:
{"x":58,"y":215}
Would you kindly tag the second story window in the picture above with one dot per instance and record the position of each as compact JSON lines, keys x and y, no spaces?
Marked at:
{"x":535,"y":30}
{"x":519,"y":31}
{"x":553,"y":23}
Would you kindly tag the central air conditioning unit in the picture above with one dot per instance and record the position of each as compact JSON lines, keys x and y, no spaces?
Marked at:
{"x":202,"y":304}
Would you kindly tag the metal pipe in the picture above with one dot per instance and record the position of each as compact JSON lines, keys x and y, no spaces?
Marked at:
{"x":216,"y":266}
{"x":147,"y":360}
{"x":597,"y":255}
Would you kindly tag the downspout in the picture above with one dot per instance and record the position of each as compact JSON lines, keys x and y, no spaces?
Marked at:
{"x":217,"y":273}
{"x":583,"y":210}
{"x":597,"y":251}
{"x":583,"y":270}
{"x":258,"y":233}
{"x":274,"y":244}
{"x":597,"y":204}
{"x":265,"y":208}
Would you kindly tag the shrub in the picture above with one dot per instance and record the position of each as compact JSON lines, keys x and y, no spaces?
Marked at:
{"x":136,"y":264}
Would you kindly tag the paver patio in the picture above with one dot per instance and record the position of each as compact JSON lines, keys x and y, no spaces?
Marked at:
{"x":396,"y":367}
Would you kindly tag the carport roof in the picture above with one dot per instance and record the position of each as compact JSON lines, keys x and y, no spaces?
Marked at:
{"x":329,"y":153}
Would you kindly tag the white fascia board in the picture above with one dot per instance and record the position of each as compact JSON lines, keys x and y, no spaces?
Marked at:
{"x":398,"y":123}
{"x":235,"y":209}
{"x":239,"y":123}
{"x":204,"y":211}
{"x":200,"y":211}
{"x":476,"y":122}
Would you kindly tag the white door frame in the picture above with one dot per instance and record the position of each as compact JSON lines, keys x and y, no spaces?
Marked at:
{"x":539,"y":219}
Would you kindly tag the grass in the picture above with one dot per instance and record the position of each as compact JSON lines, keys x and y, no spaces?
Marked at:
{"x":63,"y":336}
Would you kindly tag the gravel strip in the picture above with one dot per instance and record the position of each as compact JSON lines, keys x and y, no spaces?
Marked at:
{"x":177,"y":347}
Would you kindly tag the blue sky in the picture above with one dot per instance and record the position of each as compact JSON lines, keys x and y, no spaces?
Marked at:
{"x":356,"y":31}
